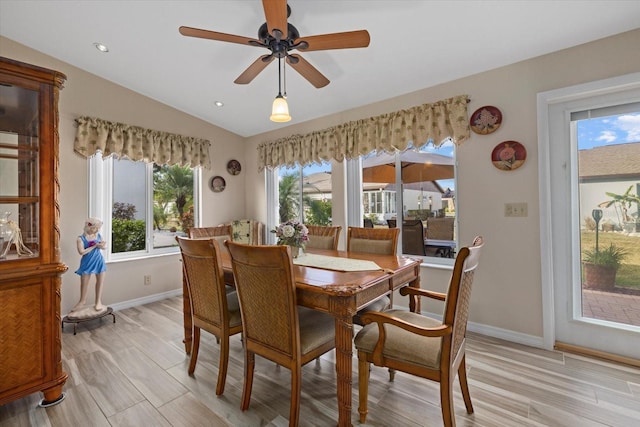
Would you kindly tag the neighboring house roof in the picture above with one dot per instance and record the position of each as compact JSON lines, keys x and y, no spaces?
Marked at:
{"x":620,"y":161}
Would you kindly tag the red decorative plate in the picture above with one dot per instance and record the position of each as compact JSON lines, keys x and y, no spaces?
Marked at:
{"x":217,"y":184}
{"x":508,"y":155}
{"x":485,"y":120}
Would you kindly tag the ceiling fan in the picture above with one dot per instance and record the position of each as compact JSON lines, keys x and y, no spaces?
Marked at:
{"x":280,"y":37}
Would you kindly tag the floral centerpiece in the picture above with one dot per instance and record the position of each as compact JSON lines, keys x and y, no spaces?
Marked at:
{"x":292,"y":233}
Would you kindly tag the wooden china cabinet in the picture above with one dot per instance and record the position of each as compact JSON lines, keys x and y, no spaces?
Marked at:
{"x":30,"y":323}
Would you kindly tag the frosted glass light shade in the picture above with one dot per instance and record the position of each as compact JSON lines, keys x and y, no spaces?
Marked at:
{"x":280,"y":110}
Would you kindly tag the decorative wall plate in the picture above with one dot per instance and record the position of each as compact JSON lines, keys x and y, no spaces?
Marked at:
{"x":508,"y":155}
{"x":485,"y":120}
{"x":217,"y":184}
{"x":234,"y":167}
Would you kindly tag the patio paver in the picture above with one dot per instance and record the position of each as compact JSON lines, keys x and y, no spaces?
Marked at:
{"x":611,"y":306}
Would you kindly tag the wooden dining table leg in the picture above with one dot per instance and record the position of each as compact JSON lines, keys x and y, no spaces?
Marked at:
{"x":344,"y":360}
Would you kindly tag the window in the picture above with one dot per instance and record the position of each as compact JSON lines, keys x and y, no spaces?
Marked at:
{"x":426,"y":193}
{"x":143,"y":205}
{"x":304,"y":194}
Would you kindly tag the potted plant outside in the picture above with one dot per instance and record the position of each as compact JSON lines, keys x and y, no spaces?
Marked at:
{"x":600,"y":267}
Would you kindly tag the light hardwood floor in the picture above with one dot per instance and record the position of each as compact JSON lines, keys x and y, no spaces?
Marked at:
{"x":134,"y":373}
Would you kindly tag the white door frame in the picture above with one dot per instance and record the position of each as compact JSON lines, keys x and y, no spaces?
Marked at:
{"x":556,"y":238}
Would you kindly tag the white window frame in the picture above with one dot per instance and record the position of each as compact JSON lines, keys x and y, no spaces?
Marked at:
{"x":100,"y":206}
{"x":353,"y":191}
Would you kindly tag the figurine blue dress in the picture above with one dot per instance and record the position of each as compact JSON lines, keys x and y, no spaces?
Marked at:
{"x":90,"y":245}
{"x":92,"y":262}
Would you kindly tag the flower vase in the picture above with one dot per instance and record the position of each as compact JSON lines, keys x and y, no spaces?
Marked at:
{"x":295,"y":251}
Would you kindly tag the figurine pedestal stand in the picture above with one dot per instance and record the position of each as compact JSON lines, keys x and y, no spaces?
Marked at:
{"x":76,"y":320}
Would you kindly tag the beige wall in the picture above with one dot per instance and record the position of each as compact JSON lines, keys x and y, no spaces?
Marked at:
{"x":87,"y":94}
{"x":507,"y":296}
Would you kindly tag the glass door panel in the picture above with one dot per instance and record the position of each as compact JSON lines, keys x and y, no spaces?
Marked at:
{"x":609,"y":189}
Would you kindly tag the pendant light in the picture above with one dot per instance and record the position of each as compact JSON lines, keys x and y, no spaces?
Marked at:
{"x":280,"y":109}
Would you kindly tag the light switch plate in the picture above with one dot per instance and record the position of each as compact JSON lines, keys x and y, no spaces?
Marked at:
{"x":515,"y":209}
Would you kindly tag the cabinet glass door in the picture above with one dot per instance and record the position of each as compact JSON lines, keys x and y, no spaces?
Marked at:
{"x":19,"y":178}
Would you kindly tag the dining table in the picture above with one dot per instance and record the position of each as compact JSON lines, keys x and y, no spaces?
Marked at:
{"x":331,"y":289}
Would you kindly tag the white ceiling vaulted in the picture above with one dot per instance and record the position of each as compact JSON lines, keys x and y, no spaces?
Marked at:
{"x":414,"y":45}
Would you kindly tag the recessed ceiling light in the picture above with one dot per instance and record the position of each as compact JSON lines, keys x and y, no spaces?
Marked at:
{"x":101,"y":47}
{"x":219,"y":103}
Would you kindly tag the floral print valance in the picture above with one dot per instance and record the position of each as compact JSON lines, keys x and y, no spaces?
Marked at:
{"x":418,"y":125}
{"x":136,"y":143}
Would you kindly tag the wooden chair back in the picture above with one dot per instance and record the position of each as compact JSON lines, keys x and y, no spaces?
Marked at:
{"x":219,"y":233}
{"x":207,"y":232}
{"x":211,"y":308}
{"x":373,"y":240}
{"x":442,"y":344}
{"x":321,"y":237}
{"x":274,"y":326}
{"x":458,"y":298}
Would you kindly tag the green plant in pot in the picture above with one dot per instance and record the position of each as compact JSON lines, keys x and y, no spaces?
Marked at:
{"x":600,"y":267}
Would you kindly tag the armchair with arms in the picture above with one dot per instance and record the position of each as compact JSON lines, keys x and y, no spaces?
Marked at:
{"x":422,"y":346}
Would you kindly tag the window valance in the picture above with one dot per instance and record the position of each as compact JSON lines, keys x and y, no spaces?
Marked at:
{"x":388,"y":132}
{"x":138,"y":143}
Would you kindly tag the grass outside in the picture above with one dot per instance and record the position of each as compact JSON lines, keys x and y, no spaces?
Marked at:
{"x":628,"y":275}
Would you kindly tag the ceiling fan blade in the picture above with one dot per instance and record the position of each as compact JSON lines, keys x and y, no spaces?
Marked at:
{"x":308,"y":71}
{"x":214,"y":35}
{"x":346,"y":40}
{"x":276,"y":13}
{"x":254,"y":69}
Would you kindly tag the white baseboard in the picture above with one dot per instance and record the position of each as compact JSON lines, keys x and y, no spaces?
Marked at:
{"x":504,"y":334}
{"x":145,"y":300}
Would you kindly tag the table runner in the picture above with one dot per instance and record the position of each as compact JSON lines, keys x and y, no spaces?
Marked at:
{"x":335,"y":263}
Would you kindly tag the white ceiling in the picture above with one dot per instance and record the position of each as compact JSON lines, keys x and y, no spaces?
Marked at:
{"x":414,"y":45}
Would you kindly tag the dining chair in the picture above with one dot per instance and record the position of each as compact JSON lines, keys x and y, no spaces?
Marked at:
{"x":212,"y":308}
{"x":275,"y":327}
{"x":422,"y":346}
{"x":219,"y":233}
{"x":373,"y":241}
{"x":321,"y":237}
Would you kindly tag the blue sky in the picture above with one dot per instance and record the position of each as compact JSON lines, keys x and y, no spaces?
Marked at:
{"x":609,"y":130}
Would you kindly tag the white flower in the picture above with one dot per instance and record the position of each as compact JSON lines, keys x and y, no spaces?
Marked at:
{"x":288,"y":230}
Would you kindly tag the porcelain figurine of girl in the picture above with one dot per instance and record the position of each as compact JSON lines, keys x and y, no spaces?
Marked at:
{"x":89,"y":245}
